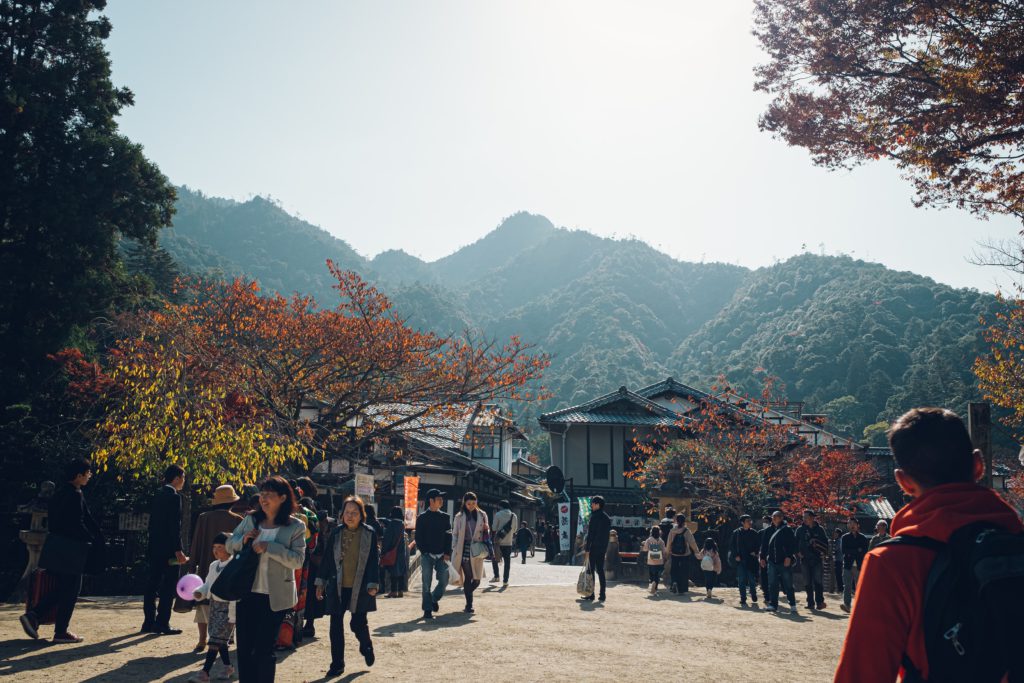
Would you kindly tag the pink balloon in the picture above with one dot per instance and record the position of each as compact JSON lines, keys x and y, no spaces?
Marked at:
{"x":187,"y":585}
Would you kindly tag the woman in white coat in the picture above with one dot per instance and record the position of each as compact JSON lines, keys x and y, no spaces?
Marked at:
{"x":468,"y":548}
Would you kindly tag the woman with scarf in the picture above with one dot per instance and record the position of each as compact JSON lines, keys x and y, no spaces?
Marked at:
{"x":468,"y":548}
{"x":348,"y":579}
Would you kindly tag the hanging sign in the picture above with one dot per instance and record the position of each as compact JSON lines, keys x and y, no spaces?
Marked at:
{"x":563,"y":526}
{"x":412,"y":487}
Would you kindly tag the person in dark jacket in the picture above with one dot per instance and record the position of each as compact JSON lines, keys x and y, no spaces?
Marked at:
{"x":598,"y":534}
{"x":394,"y":539}
{"x":349,"y":577}
{"x":667,"y":522}
{"x":743,"y":548}
{"x":434,"y":541}
{"x":812,"y":544}
{"x":219,"y":519}
{"x":779,"y":555}
{"x":68,"y":517}
{"x":762,"y":543}
{"x":524,"y":540}
{"x":837,"y":558}
{"x":164,"y":553}
{"x":854,"y":546}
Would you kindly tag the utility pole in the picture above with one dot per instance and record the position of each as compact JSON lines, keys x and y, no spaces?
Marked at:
{"x":979,"y":424}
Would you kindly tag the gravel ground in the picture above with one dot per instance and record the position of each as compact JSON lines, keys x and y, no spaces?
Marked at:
{"x":533,"y":630}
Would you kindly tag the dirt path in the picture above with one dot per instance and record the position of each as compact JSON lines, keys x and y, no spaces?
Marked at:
{"x":522,"y":633}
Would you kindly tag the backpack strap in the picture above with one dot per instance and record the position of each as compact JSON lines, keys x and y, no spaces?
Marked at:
{"x":913,"y":541}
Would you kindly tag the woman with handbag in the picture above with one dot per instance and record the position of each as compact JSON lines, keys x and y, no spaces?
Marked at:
{"x":349,"y":577}
{"x":279,"y":541}
{"x":394,"y":556}
{"x":468,"y":547}
{"x":74,"y":536}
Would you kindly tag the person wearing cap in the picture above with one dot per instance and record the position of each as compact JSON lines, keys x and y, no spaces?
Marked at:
{"x":434,"y":542}
{"x":218,"y":519}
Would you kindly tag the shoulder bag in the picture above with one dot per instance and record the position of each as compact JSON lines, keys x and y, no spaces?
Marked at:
{"x":236,"y":579}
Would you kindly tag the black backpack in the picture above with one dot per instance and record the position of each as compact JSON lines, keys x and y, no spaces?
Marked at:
{"x":679,"y":543}
{"x":973,"y":606}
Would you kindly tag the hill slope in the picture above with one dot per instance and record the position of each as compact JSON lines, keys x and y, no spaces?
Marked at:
{"x":847,"y":337}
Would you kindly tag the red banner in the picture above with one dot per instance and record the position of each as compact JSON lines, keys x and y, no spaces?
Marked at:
{"x":412,"y":487}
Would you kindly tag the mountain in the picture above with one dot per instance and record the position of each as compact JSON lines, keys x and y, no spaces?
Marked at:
{"x":853,"y":339}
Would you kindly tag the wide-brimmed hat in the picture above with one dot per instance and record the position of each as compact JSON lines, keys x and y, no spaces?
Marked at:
{"x":224,"y":494}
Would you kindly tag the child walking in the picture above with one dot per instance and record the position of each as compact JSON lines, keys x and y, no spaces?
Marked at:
{"x":710,"y":564}
{"x":655,"y":549}
{"x":222,"y":616}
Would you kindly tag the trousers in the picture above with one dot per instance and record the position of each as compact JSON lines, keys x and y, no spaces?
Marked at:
{"x":256,"y":630}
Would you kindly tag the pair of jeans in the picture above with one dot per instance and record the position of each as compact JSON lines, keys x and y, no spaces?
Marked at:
{"x":763,"y":575}
{"x":429,"y":566}
{"x":779,"y":575}
{"x":596,"y":564}
{"x":746,"y":576}
{"x":710,"y":578}
{"x":64,"y":596}
{"x":359,"y":627}
{"x":160,"y":586}
{"x":839,"y":575}
{"x":678,"y":572}
{"x":522,"y":551}
{"x":506,"y":557}
{"x":654,"y":572}
{"x":256,"y":630}
{"x":814,"y":580}
{"x":850,"y":576}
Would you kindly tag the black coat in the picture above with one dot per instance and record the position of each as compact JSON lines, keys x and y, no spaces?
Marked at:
{"x":165,"y":525}
{"x":367,"y":572}
{"x":812,"y":542}
{"x":598,"y":531}
{"x":69,"y":516}
{"x":781,"y":544}
{"x":746,"y":544}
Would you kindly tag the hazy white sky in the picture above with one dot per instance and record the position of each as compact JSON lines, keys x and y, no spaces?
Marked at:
{"x":420,"y":125}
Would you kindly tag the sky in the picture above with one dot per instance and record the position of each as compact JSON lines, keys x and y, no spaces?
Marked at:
{"x":421,"y":125}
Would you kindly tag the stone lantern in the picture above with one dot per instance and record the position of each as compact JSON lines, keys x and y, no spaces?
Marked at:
{"x":34,"y":536}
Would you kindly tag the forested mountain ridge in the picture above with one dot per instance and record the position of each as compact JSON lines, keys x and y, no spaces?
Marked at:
{"x":850,"y":338}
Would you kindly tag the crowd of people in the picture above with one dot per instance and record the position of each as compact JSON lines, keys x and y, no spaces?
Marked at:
{"x":259,"y":557}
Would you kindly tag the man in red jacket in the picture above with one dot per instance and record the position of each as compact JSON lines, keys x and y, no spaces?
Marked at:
{"x":938,"y":468}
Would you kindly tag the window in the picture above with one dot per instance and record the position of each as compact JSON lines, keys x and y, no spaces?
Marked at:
{"x":600,"y":471}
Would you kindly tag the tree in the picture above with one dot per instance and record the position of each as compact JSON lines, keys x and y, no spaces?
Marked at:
{"x":70,"y":185}
{"x":724,"y":454}
{"x":1000,"y":373}
{"x":932,"y":86}
{"x":224,"y":376}
{"x":830,"y":481}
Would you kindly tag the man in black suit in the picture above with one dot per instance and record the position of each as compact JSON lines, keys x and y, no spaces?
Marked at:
{"x":164,"y":554}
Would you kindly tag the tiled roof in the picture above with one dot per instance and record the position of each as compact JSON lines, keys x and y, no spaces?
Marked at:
{"x":584,"y":417}
{"x":878,"y":507}
{"x":670,"y":385}
{"x":641,"y":411}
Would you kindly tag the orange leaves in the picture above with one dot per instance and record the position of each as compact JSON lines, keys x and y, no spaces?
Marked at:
{"x":1001,"y":373}
{"x":827,"y":480}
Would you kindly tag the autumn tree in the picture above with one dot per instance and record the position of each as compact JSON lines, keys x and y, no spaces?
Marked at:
{"x":70,"y":185}
{"x":1000,"y":373}
{"x":830,"y":481}
{"x":935,"y":87}
{"x":723,"y":453}
{"x":227,"y":372}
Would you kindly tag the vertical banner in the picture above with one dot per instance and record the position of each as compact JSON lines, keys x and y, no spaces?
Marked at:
{"x":584,"y":519}
{"x":412,"y":487}
{"x":563,"y":525}
{"x":364,"y":487}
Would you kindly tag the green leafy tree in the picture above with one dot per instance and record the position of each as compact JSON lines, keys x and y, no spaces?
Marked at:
{"x":70,"y":184}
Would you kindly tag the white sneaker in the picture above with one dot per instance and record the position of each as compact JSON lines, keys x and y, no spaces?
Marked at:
{"x":494,"y":579}
{"x":792,"y":609}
